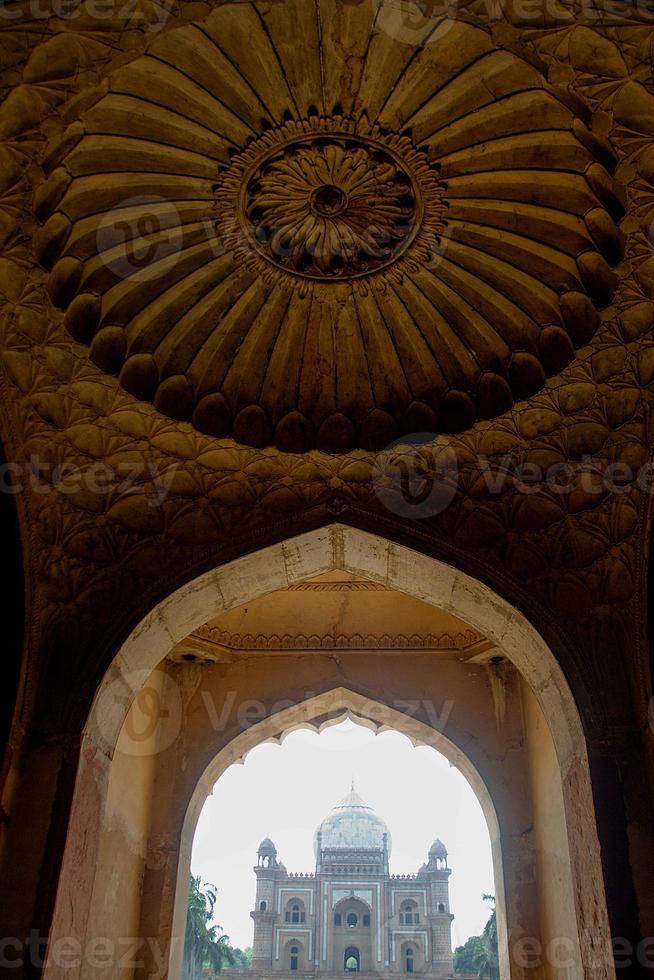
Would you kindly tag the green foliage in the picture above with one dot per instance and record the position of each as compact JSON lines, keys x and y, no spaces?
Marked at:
{"x":466,"y":956}
{"x":205,"y":945}
{"x":487,"y":962}
{"x":479,"y":954}
{"x":243,"y":957}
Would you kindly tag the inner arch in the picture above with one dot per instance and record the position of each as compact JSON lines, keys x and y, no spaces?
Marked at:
{"x":553,"y":716}
{"x":344,"y":705}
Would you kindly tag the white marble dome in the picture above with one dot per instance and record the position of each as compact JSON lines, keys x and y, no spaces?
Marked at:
{"x":352,"y":824}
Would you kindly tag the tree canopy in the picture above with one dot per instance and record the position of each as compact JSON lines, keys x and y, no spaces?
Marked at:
{"x":479,"y":954}
{"x":205,"y":943}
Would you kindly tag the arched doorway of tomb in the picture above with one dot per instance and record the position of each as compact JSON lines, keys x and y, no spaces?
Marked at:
{"x":412,"y":957}
{"x":357,"y":924}
{"x":153,"y":751}
{"x":352,"y":960}
{"x":295,"y":958}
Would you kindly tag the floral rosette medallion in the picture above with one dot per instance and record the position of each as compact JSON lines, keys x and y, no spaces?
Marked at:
{"x":329,"y":199}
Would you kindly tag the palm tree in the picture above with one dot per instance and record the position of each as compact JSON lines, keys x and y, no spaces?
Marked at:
{"x":487,"y":959}
{"x":204,"y":944}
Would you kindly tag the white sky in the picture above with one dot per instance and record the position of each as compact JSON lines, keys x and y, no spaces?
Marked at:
{"x":285,"y":791}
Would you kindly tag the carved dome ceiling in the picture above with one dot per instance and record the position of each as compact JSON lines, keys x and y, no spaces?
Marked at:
{"x":288,"y":226}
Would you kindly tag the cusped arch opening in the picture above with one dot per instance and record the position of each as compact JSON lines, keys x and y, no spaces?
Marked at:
{"x":318,"y":714}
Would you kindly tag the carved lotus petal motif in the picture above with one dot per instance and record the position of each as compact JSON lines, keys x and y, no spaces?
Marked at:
{"x":293,"y":224}
{"x":332,"y":206}
{"x":336,"y":205}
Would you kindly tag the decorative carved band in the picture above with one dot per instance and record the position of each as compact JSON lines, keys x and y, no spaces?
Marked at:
{"x":336,"y":641}
{"x":342,"y":586}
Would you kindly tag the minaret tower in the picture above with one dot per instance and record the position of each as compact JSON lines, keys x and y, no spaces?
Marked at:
{"x":264,"y":911}
{"x":438,"y":909}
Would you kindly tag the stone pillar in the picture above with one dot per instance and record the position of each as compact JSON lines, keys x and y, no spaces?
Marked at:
{"x":264,"y":918}
{"x":440,"y":922}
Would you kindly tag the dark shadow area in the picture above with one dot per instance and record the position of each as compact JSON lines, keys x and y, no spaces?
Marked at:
{"x":14,"y":604}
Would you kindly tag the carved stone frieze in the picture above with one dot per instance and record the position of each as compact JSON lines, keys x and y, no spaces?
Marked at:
{"x":469,"y":642}
{"x":337,"y":586}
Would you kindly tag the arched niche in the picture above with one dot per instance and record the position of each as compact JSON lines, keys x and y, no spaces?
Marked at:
{"x":564,"y":857}
{"x":317,"y":714}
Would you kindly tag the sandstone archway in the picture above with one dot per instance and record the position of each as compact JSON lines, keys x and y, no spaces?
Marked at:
{"x":560,"y":781}
{"x":317,"y":714}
